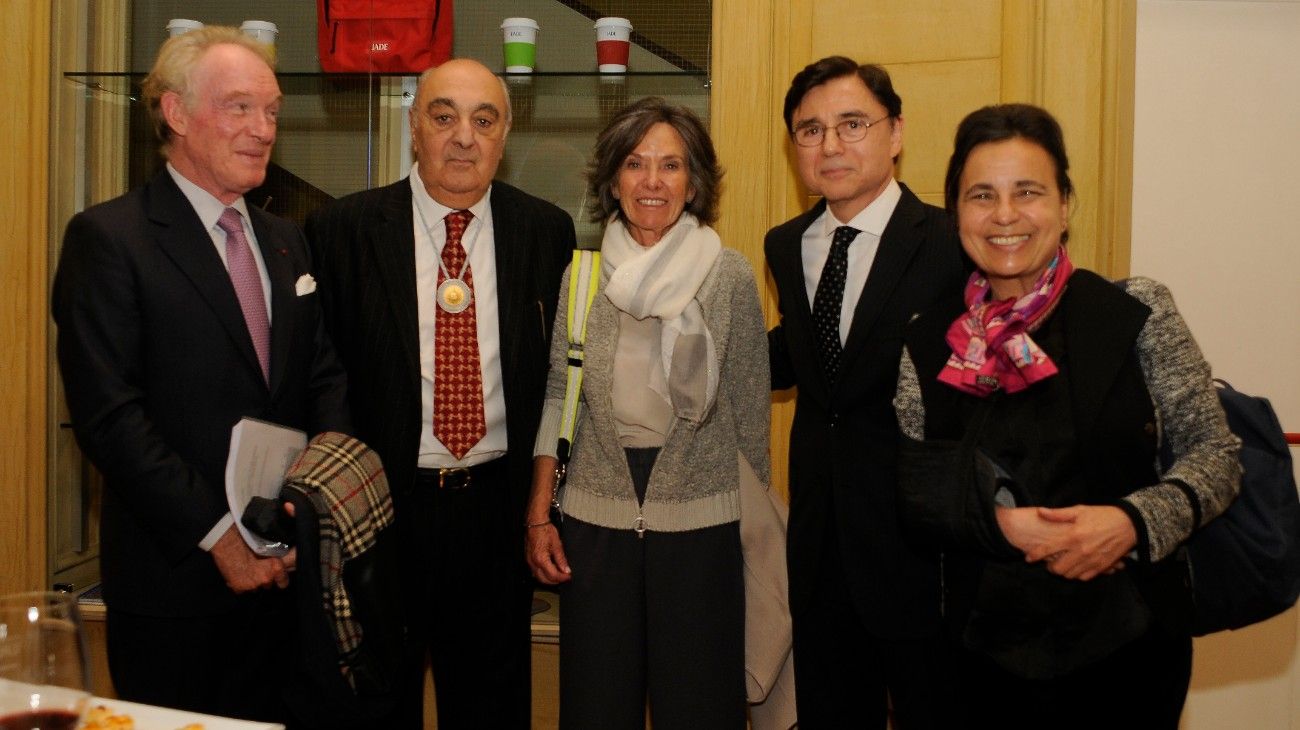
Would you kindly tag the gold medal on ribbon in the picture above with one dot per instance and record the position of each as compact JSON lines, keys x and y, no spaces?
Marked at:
{"x":454,"y":296}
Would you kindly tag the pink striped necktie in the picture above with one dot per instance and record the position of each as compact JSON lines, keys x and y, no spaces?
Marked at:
{"x":248,"y":286}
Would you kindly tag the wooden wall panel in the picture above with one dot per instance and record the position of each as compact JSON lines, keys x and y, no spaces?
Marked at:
{"x":23,"y":291}
{"x":743,"y":94}
{"x":1075,"y":58}
{"x":1071,"y":84}
{"x":1022,"y":47}
{"x":936,"y":96}
{"x":746,"y":96}
{"x":1115,"y":175}
{"x":914,"y":31}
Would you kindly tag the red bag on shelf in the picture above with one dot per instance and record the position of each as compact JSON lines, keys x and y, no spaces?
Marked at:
{"x":383,"y":36}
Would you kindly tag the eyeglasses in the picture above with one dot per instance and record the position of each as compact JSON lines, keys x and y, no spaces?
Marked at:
{"x":849,"y":130}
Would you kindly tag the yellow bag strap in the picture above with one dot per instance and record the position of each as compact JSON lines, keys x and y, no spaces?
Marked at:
{"x":584,"y":278}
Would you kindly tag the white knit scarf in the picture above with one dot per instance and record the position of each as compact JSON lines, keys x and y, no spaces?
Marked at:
{"x":662,"y":281}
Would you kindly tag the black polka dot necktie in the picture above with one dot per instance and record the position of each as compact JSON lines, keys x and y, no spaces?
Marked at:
{"x":829,"y":299}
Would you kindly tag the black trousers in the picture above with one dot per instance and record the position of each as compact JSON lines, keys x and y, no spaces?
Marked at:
{"x":1141,"y":686}
{"x":472,"y":601}
{"x":230,"y":665}
{"x":659,"y":617}
{"x":849,"y":677}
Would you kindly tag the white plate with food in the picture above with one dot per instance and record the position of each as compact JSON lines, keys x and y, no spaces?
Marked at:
{"x":122,"y":715}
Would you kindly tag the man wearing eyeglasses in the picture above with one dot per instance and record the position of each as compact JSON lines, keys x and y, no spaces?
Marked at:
{"x":439,"y":292}
{"x":849,"y":274}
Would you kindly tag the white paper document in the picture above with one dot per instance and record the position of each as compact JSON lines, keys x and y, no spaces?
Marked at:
{"x":260,"y":454}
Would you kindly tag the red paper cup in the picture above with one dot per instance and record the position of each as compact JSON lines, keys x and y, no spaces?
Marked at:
{"x":613,"y":44}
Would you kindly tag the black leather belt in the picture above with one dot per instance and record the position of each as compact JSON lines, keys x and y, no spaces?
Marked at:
{"x":458,"y":477}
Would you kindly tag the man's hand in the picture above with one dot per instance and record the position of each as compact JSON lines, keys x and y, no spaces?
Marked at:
{"x":290,"y":558}
{"x":243,"y":569}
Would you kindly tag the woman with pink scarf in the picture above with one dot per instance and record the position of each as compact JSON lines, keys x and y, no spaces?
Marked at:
{"x":1033,"y":411}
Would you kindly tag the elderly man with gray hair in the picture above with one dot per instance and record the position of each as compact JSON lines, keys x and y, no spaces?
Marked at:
{"x":181,"y":310}
{"x":439,"y":291}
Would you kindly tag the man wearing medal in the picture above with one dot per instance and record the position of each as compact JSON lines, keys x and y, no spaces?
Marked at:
{"x":453,"y":296}
{"x":439,"y":292}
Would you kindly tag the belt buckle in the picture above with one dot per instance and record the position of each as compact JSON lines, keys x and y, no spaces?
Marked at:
{"x":457,"y":477}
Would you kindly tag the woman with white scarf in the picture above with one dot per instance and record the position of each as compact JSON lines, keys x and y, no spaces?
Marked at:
{"x":674,"y":415}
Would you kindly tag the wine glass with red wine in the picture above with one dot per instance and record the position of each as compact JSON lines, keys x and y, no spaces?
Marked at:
{"x":43,"y":682}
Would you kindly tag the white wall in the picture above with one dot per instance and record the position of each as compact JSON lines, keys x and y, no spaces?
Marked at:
{"x":1216,"y":216}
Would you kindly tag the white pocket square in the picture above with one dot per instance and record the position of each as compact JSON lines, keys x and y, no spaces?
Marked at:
{"x":305,"y":285}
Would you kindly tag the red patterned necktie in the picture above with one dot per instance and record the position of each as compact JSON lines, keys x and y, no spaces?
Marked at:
{"x":458,"y":377}
{"x":248,"y":286}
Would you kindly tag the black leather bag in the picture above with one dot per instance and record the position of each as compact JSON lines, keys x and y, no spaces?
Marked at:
{"x":946,"y":494}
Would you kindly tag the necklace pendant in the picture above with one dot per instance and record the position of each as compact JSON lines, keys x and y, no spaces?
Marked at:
{"x":454,"y":296}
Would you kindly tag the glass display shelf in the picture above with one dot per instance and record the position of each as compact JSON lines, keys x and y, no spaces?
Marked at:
{"x":557,"y":82}
{"x":339,"y":133}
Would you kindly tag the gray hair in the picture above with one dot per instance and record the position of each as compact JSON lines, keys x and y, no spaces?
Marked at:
{"x":174,"y":66}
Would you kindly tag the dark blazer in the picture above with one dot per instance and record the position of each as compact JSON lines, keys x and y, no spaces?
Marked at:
{"x":844,"y":440}
{"x":158,"y":366}
{"x":364,"y":246}
{"x":1110,"y":404}
{"x":1113,"y":420}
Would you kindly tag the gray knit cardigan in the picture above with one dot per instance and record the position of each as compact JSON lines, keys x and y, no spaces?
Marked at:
{"x":1188,"y":415}
{"x":695,"y":478}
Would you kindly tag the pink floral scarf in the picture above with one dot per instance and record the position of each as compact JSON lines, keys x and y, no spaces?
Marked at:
{"x":991,"y":347}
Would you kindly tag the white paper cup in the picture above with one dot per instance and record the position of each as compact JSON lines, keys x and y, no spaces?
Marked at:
{"x":519,"y":44}
{"x":181,"y":26}
{"x":263,"y":31}
{"x":612,"y":44}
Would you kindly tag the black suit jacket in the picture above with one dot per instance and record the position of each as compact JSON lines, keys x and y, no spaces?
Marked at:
{"x":158,"y":366}
{"x":1113,"y":422}
{"x":365,"y":253}
{"x":843,"y":443}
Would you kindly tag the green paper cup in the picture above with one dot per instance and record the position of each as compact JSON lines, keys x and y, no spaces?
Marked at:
{"x":519,"y":44}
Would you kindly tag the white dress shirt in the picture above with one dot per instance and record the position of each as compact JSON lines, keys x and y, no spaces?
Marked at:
{"x":816,"y":248}
{"x":209,"y":210}
{"x":480,"y":255}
